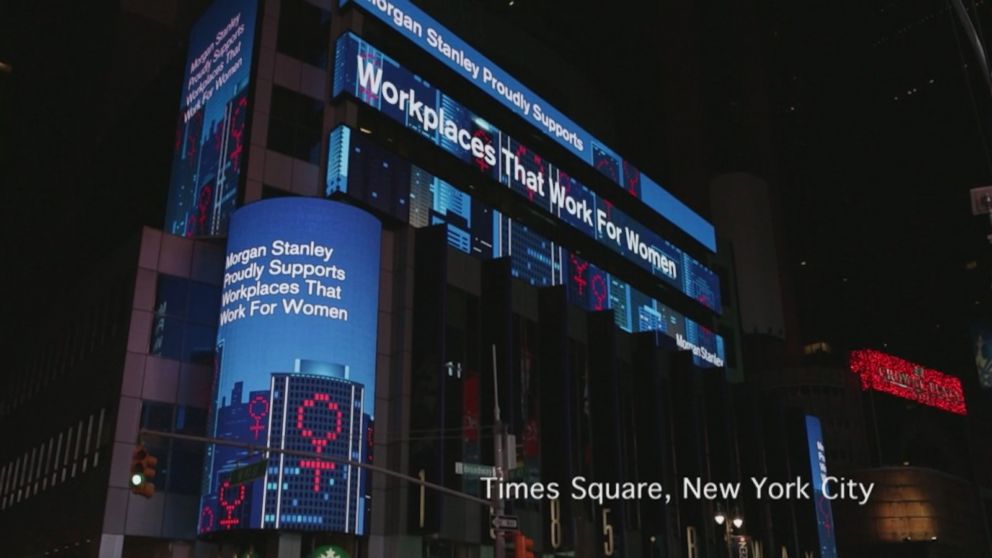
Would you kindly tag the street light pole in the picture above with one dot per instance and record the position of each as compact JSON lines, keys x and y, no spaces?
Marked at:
{"x":724,"y":521}
{"x":721,"y":520}
{"x":499,"y":545}
{"x":726,"y":537}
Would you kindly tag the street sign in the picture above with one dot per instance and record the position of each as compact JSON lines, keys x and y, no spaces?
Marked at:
{"x":474,"y":470}
{"x":249,"y":472}
{"x":504,"y":522}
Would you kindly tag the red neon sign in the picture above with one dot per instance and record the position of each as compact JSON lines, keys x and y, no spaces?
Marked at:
{"x":229,"y":507}
{"x":257,"y":410}
{"x":895,"y":376}
{"x":206,"y":519}
{"x":319,"y":441}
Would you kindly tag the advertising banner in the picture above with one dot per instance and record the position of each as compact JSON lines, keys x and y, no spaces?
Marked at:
{"x":385,"y":181}
{"x":890,"y":374}
{"x":439,"y":42}
{"x":818,"y":472}
{"x":296,"y":366}
{"x":981,"y":346}
{"x":211,"y":143}
{"x":380,"y":82}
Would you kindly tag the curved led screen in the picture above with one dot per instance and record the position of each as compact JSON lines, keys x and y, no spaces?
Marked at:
{"x":210,"y":144}
{"x":296,"y":368}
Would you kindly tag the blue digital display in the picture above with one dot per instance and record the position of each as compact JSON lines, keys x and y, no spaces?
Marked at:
{"x":477,"y":229}
{"x":981,"y":344}
{"x":439,"y":42}
{"x":210,"y":144}
{"x":380,"y":82}
{"x":296,"y":366}
{"x":818,"y":466}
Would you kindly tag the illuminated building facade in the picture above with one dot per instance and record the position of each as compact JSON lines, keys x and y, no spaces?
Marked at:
{"x":609,"y":301}
{"x":902,"y":426}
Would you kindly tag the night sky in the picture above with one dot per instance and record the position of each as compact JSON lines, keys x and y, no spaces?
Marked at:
{"x":868,"y":123}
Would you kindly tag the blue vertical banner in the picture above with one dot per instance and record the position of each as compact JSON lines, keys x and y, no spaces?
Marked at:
{"x":981,"y":346}
{"x":296,"y":367}
{"x":818,"y":466}
{"x":211,"y":142}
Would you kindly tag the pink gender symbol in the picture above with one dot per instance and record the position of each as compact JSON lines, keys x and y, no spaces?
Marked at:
{"x":319,"y":441}
{"x":257,"y":417}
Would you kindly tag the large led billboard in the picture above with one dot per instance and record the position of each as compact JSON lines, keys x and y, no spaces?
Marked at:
{"x":818,"y":472}
{"x":211,"y":142}
{"x":425,"y":32}
{"x":377,"y":177}
{"x":380,"y":82}
{"x":901,"y":378}
{"x":296,"y":367}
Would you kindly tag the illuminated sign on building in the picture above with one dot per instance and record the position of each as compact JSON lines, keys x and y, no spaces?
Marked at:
{"x":821,"y":501}
{"x":380,"y":82}
{"x":895,"y":376}
{"x":377,"y":177}
{"x":296,"y":366}
{"x":210,"y":144}
{"x":981,"y":345}
{"x":447,"y":47}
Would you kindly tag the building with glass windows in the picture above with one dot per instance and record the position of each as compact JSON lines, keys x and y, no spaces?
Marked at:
{"x":505,"y":233}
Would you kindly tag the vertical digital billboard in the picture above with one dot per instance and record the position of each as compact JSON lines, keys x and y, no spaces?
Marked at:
{"x":818,"y":472}
{"x":210,"y":143}
{"x":981,"y":346}
{"x":296,"y":367}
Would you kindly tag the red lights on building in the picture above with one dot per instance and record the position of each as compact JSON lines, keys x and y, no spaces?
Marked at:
{"x":229,"y":506}
{"x":258,"y":409}
{"x":319,"y":441}
{"x":895,"y":376}
{"x":206,"y":520}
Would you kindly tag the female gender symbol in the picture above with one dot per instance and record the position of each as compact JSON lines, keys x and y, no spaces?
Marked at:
{"x":206,"y":520}
{"x":599,"y":291}
{"x":229,"y":507}
{"x":319,"y":442}
{"x":263,"y":410}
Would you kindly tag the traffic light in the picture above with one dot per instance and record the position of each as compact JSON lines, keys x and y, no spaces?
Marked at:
{"x":142,"y":471}
{"x":522,"y":546}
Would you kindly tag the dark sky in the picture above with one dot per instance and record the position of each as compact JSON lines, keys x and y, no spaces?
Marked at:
{"x":868,"y":118}
{"x":886,"y":140}
{"x":873,"y":161}
{"x":86,"y":124}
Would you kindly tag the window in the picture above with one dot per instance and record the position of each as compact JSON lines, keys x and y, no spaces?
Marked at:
{"x":185,"y":326}
{"x":273,"y":192}
{"x":180,"y":463}
{"x":187,"y":457}
{"x":158,"y":416}
{"x":304,"y":32}
{"x":295,"y":124}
